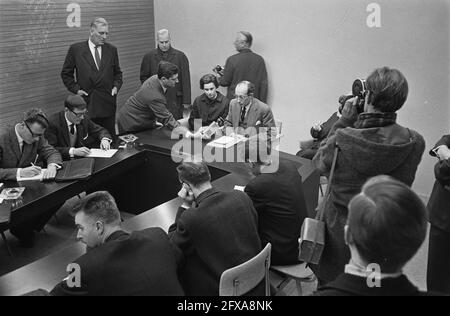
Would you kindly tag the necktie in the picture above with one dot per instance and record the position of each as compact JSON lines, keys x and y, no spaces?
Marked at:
{"x":243,"y":114}
{"x":97,"y":57}
{"x":72,"y":129}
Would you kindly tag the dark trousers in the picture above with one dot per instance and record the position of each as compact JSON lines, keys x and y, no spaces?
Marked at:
{"x":438,"y":271}
{"x":108,"y":122}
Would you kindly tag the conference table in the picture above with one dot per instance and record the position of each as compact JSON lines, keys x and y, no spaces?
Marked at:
{"x":142,"y":178}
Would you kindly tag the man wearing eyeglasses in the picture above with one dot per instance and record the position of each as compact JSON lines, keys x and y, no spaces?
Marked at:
{"x":21,"y":147}
{"x":72,"y":132}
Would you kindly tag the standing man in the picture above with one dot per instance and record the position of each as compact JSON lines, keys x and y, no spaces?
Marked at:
{"x":438,"y":274}
{"x":245,"y":65}
{"x":72,"y":133}
{"x":178,"y":97}
{"x":92,"y":70}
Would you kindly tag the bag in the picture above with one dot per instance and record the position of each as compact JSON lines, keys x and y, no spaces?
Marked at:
{"x":75,"y":170}
{"x":312,"y":237}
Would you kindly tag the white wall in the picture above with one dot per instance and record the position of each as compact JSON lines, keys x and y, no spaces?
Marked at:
{"x":314,"y":50}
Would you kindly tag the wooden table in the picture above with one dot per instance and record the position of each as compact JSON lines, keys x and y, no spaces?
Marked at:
{"x":153,"y":187}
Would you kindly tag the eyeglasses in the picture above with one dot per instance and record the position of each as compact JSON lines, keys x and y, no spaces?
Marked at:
{"x":79,"y":115}
{"x":34,"y":135}
{"x":241,"y":97}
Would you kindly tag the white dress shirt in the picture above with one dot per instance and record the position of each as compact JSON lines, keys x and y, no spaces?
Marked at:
{"x":92,"y":49}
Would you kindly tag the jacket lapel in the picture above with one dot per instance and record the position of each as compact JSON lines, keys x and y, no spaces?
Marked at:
{"x":105,"y":59}
{"x":88,"y":56}
{"x":64,"y":128}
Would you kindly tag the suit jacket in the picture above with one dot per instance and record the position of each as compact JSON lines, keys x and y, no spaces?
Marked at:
{"x":257,"y":112}
{"x":279,"y":200}
{"x":351,"y":285}
{"x":439,"y":202}
{"x":145,"y":106}
{"x":136,"y":264}
{"x":149,"y":67}
{"x":217,"y":234}
{"x":11,"y":158}
{"x":97,"y":83}
{"x":245,"y":65}
{"x":89,"y":134}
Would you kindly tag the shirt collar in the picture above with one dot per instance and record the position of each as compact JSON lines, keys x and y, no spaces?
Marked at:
{"x":67,"y":121}
{"x":19,"y":139}
{"x":92,"y":45}
{"x":162,"y":86}
{"x":355,"y":269}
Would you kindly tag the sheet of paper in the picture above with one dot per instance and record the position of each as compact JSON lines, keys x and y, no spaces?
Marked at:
{"x":100,"y":153}
{"x":35,"y":178}
{"x":226,"y":141}
{"x":239,"y":188}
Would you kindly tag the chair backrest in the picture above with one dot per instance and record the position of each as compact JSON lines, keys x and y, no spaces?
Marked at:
{"x":241,"y":279}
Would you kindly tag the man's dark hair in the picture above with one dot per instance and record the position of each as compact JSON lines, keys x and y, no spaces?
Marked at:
{"x":389,"y":89}
{"x":99,"y":206}
{"x":166,"y":70}
{"x":387,"y":223}
{"x":195,"y":173}
{"x":208,"y":79}
{"x":73,"y":102}
{"x":248,"y":36}
{"x":36,"y":115}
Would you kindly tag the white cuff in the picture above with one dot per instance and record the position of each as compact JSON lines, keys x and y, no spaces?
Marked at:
{"x":71,"y":154}
{"x":54,"y":164}
{"x":106,"y":138}
{"x":18,"y":173}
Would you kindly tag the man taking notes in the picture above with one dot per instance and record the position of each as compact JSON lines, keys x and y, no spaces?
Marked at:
{"x":72,"y":133}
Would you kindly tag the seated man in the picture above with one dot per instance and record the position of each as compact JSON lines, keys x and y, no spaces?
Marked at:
{"x":211,"y":105}
{"x":438,"y":272}
{"x":71,"y":132}
{"x":318,"y":132}
{"x":149,"y":104}
{"x":214,"y":231}
{"x":21,"y":147}
{"x":278,"y":198}
{"x":385,"y":228}
{"x":116,"y":262}
{"x":247,"y":114}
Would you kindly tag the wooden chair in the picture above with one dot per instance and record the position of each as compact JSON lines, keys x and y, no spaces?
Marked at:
{"x":297,"y":272}
{"x":241,"y":279}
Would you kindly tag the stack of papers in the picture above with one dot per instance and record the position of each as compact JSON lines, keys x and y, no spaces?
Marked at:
{"x":100,"y":153}
{"x":227,"y":141}
{"x":39,"y":177}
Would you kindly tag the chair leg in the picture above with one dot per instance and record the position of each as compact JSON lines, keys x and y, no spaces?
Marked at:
{"x":6,"y":244}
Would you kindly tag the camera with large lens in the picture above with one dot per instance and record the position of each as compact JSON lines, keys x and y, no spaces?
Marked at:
{"x":359,"y":90}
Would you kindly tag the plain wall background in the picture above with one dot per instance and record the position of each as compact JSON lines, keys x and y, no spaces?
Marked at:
{"x":314,"y":50}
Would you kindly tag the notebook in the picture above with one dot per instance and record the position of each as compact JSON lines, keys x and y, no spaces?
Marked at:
{"x":38,"y":177}
{"x":75,"y":170}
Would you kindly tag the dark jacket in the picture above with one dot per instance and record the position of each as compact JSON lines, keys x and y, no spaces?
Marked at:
{"x":278,"y":198}
{"x":351,"y":285}
{"x":208,"y":110}
{"x":145,"y":106}
{"x":219,"y":233}
{"x":245,"y":65}
{"x":97,"y":83}
{"x":439,"y":202}
{"x":364,"y":152}
{"x":89,"y":134}
{"x":140,"y":263}
{"x":11,"y":158}
{"x":149,"y":67}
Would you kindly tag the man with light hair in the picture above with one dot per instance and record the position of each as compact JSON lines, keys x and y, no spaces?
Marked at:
{"x":92,"y":70}
{"x":179,"y":96}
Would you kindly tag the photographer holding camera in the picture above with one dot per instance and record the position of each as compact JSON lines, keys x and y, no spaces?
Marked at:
{"x":370,"y":143}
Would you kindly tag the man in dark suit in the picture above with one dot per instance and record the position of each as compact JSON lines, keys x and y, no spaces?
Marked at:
{"x":178,"y":97}
{"x":92,"y":70}
{"x":386,"y":226}
{"x":118,"y":263}
{"x":277,"y":194}
{"x":21,"y":147}
{"x":247,"y":114}
{"x":214,"y":231}
{"x":72,"y":133}
{"x":245,"y":65}
{"x":438,"y":272}
{"x":148,"y":105}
